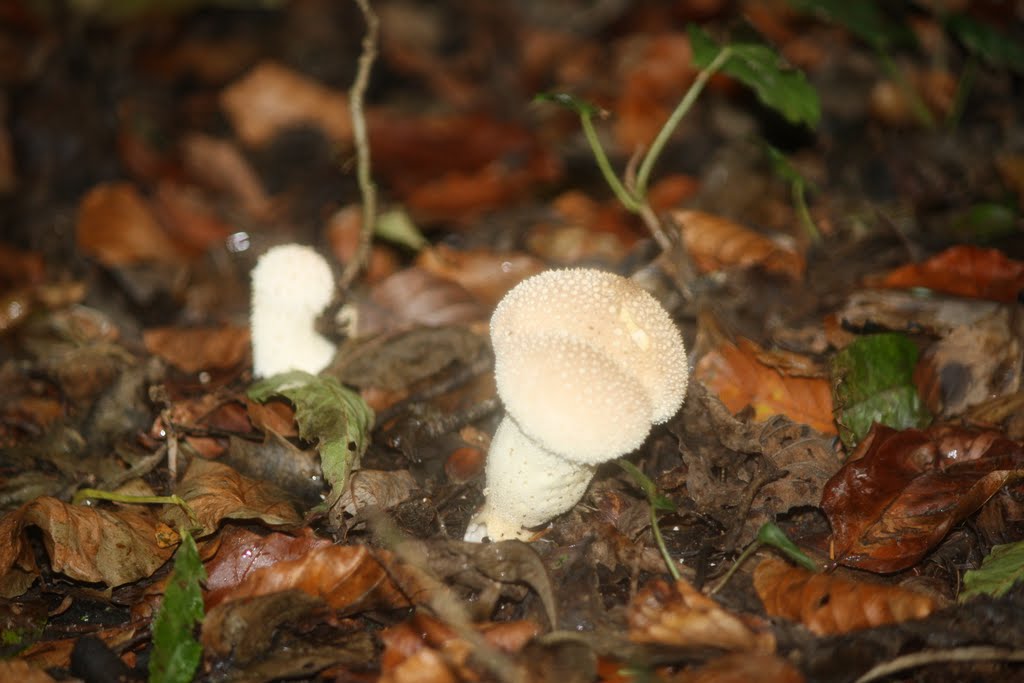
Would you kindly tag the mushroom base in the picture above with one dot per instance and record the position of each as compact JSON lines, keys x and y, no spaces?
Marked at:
{"x":527,"y":486}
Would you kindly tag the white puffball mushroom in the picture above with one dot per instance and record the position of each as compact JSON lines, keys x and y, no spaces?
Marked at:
{"x":585,"y":362}
{"x":291,"y":285}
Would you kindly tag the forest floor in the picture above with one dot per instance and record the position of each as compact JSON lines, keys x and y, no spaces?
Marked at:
{"x":842,"y":251}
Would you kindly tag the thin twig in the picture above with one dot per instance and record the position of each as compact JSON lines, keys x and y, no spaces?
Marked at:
{"x":367,"y":188}
{"x":978,"y":653}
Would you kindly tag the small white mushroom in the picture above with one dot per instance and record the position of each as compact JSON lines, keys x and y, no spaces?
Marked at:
{"x":291,"y":285}
{"x":585,"y":363}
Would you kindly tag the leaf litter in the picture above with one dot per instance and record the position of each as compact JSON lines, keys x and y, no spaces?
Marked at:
{"x":859,"y":278}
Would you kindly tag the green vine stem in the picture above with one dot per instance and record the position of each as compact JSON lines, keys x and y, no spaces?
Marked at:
{"x":97,"y":494}
{"x":621,"y":193}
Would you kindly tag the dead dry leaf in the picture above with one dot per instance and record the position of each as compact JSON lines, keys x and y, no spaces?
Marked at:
{"x":828,"y":604}
{"x":740,"y":379}
{"x":111,"y":547}
{"x":901,"y":491}
{"x":195,"y":349}
{"x":485,"y":273}
{"x":21,"y":671}
{"x":273,"y":97}
{"x":715,"y":243}
{"x":742,"y":668}
{"x":413,"y":297}
{"x":681,"y":616}
{"x":378,"y":489}
{"x":216,"y":492}
{"x":220,"y":166}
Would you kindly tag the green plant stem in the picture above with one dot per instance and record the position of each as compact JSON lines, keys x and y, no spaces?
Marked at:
{"x":113,"y":497}
{"x":684,"y":106}
{"x":747,"y":552}
{"x":621,"y":193}
{"x":800,"y":203}
{"x":920,"y":109}
{"x":660,"y":541}
{"x":963,"y":91}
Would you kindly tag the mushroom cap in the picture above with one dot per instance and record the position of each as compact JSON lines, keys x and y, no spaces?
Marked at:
{"x":586,"y":361}
{"x":526,"y":486}
{"x":291,"y":284}
{"x":571,"y":399}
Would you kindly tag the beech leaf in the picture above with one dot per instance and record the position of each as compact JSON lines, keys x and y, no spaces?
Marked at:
{"x":332,"y":415}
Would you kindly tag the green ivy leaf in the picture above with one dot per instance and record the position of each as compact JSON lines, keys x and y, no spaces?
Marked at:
{"x":777,"y":84}
{"x":333,"y":416}
{"x":1003,"y":567}
{"x":988,"y":44}
{"x":862,"y":18}
{"x":571,"y":102}
{"x":176,"y":651}
{"x":872,"y":381}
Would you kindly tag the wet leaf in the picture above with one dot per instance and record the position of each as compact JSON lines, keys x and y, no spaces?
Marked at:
{"x":333,"y":416}
{"x":739,"y":379}
{"x":193,"y":350}
{"x":777,"y":84}
{"x":111,"y":547}
{"x":349,"y":579}
{"x":216,"y":492}
{"x":963,"y":270}
{"x":828,"y":604}
{"x":715,"y":243}
{"x":679,"y":615}
{"x":873,"y":381}
{"x":176,"y":651}
{"x":902,"y":491}
{"x":1000,"y":570}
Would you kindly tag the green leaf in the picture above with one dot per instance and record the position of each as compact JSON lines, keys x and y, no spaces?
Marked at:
{"x":862,"y":18}
{"x":571,"y":102}
{"x":777,"y":84}
{"x":770,"y":534}
{"x":984,"y":222}
{"x":1003,"y":567}
{"x":872,"y":381}
{"x":396,"y":226}
{"x":176,"y":651}
{"x":333,"y":416}
{"x":990,"y":45}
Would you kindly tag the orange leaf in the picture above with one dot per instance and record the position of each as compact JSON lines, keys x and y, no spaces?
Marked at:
{"x":963,"y":270}
{"x":715,"y":243}
{"x":740,"y":379}
{"x":828,"y":604}
{"x":485,"y":273}
{"x":116,"y":226}
{"x":680,"y":615}
{"x":193,"y":350}
{"x":743,"y":667}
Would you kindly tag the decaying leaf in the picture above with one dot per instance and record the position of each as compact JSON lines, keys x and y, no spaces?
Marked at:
{"x":901,"y":491}
{"x":743,"y":667}
{"x":413,"y":297}
{"x":963,"y":270}
{"x":216,"y":492}
{"x":485,"y":273}
{"x":681,"y":616}
{"x":111,"y":547}
{"x":377,"y":489}
{"x":116,"y":226}
{"x":194,"y":349}
{"x":911,"y":313}
{"x":332,"y":415}
{"x":740,"y":379}
{"x":714,"y":243}
{"x":22,"y":671}
{"x":828,"y":604}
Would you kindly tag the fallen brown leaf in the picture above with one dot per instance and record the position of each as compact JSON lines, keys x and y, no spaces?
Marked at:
{"x":963,"y":270}
{"x":485,"y":273}
{"x":743,"y":667}
{"x":117,"y":227}
{"x":216,"y":492}
{"x":679,"y":615}
{"x":740,"y":379}
{"x":901,"y":491}
{"x":22,"y":671}
{"x":272,"y":98}
{"x":714,"y":243}
{"x":828,"y":604}
{"x":194,"y":349}
{"x":111,"y":547}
